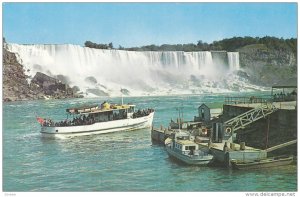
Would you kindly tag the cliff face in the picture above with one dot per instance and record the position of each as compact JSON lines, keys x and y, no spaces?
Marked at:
{"x":15,"y":85}
{"x":267,"y":66}
{"x":17,"y":88}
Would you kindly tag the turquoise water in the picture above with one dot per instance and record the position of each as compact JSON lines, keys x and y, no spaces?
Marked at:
{"x":125,"y":161}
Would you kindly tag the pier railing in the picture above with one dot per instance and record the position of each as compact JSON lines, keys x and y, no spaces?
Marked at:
{"x":247,"y":100}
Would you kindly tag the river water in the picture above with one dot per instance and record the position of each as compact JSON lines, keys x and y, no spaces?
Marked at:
{"x":125,"y":161}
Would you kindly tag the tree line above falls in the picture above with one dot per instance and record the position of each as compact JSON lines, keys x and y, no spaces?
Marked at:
{"x":266,"y":60}
{"x":228,"y":44}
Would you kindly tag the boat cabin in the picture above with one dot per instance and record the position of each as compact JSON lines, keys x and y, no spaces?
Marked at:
{"x":183,"y":142}
{"x":102,"y":113}
{"x":111,"y":112}
{"x":186,"y":147}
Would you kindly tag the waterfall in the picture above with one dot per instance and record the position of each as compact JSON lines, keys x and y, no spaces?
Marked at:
{"x":139,"y":71}
{"x":233,"y":60}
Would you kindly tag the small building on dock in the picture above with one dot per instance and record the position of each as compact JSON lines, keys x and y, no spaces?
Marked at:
{"x":206,"y":112}
{"x":203,"y":113}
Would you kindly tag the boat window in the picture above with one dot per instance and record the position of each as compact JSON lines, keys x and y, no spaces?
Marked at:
{"x":186,"y":148}
{"x":178,"y":146}
{"x":131,"y":109}
{"x":192,"y":147}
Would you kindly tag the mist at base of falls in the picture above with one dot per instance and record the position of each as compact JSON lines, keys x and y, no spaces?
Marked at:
{"x":140,"y":73}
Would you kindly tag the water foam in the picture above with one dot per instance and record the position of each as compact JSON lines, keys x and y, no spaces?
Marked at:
{"x":142,"y":73}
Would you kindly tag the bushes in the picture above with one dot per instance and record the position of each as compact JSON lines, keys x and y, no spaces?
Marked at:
{"x":228,"y":44}
{"x":98,"y":46}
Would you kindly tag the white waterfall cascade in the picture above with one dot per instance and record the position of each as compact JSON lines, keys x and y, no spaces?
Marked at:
{"x":142,"y":73}
{"x":233,"y":60}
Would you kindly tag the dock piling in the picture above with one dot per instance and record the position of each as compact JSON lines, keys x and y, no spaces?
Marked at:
{"x":242,"y":146}
{"x":225,"y":148}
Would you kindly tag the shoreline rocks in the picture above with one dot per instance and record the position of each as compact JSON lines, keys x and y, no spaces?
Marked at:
{"x":42,"y":86}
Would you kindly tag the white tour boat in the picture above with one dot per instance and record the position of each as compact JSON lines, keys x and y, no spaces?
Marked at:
{"x":181,"y":146}
{"x":98,"y":120}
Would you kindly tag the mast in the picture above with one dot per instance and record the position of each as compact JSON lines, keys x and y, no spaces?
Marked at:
{"x":180,"y":109}
{"x":121,"y":95}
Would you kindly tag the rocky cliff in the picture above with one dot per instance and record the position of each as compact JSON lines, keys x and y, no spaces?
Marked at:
{"x":17,"y":88}
{"x":265,"y":65}
{"x":15,"y":85}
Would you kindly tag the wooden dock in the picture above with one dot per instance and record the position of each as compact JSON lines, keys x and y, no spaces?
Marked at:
{"x":159,"y":135}
{"x":234,"y":152}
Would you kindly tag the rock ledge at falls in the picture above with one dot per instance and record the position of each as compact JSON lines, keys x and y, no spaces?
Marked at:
{"x":17,"y":88}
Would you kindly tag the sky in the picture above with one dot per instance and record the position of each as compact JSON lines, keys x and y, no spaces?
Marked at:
{"x":139,"y":24}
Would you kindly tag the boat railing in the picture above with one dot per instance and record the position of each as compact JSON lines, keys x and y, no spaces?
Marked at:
{"x":89,"y":120}
{"x":142,"y":113}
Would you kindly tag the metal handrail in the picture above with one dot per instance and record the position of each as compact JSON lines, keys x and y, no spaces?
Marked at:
{"x":246,"y":100}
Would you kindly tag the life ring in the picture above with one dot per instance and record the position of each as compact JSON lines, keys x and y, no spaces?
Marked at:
{"x":204,"y":131}
{"x":228,"y":130}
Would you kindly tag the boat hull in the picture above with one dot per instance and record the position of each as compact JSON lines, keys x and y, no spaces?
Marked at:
{"x":99,"y":127}
{"x":191,"y":160}
{"x":265,"y":163}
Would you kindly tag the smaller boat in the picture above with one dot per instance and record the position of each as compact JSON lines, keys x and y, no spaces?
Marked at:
{"x":263,"y":163}
{"x":182,"y":147}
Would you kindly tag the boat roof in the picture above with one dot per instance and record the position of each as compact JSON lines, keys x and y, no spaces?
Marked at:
{"x":98,"y":109}
{"x":194,"y":123}
{"x":185,"y":142}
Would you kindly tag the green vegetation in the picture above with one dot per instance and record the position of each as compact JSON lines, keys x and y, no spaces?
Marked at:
{"x":98,"y":46}
{"x":228,"y":44}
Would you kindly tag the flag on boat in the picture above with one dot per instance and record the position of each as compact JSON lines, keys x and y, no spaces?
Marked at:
{"x":40,"y":120}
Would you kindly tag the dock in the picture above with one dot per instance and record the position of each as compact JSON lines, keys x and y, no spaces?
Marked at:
{"x":276,"y":128}
{"x":265,"y":126}
{"x":159,"y":135}
{"x":234,"y":151}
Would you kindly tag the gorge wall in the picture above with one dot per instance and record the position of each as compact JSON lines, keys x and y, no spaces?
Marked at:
{"x":266,"y":66}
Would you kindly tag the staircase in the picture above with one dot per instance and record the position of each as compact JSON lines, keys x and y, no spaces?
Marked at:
{"x":250,"y":116}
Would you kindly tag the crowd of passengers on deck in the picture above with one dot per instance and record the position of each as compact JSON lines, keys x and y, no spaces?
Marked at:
{"x":90,"y":119}
{"x":141,"y":113}
{"x":82,"y":120}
